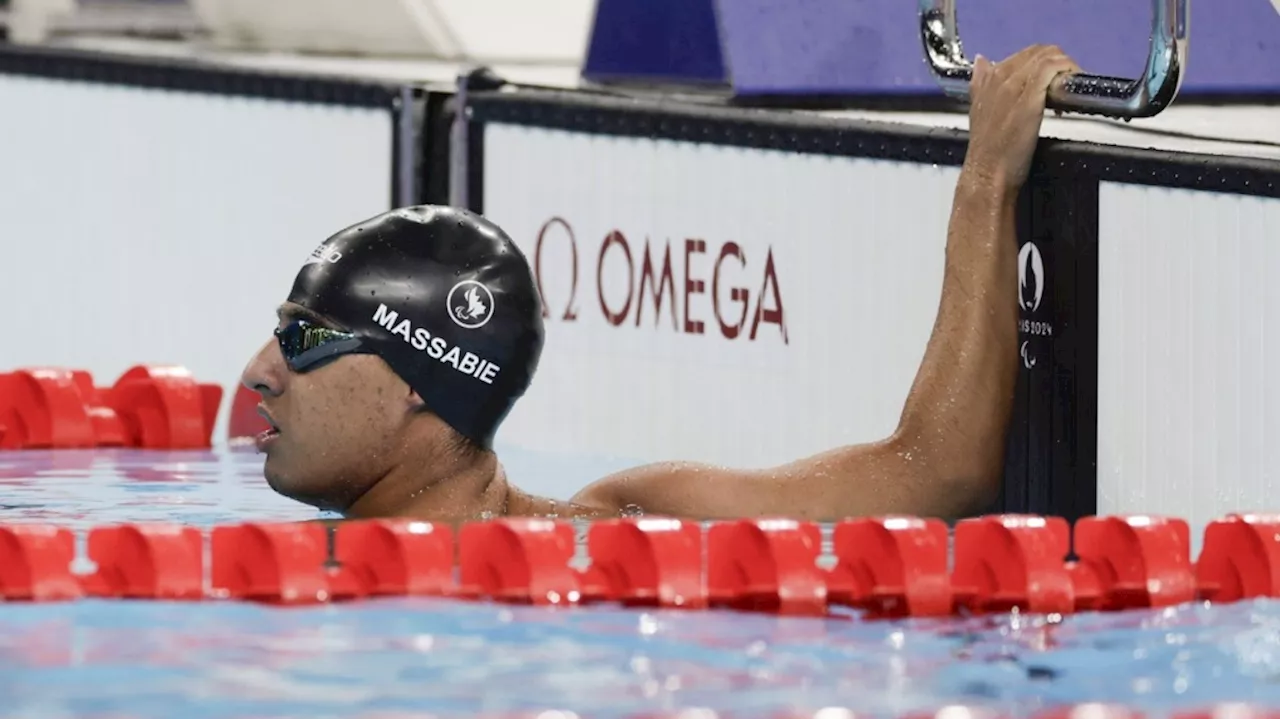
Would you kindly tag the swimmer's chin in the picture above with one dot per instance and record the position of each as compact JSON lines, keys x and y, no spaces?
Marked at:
{"x":290,"y":489}
{"x":280,"y":485}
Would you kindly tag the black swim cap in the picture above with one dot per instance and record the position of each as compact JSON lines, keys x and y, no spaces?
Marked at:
{"x":445,"y":298}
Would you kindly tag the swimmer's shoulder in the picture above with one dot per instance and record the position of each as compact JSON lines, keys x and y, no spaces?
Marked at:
{"x":522,"y":504}
{"x":696,"y":491}
{"x":668,"y":489}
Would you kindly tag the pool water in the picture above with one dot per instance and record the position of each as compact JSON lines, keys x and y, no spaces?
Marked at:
{"x":96,"y":658}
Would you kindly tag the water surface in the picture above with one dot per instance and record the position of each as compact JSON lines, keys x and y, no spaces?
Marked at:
{"x":450,"y":658}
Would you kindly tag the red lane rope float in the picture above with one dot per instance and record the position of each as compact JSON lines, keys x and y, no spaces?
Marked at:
{"x":271,"y":562}
{"x":766,"y":565}
{"x":1241,"y":558}
{"x":35,"y":563}
{"x":887,"y":567}
{"x":1016,"y":562}
{"x":646,"y":562}
{"x":53,"y":408}
{"x":165,"y":408}
{"x":148,"y":407}
{"x":394,"y":558}
{"x":146,"y":562}
{"x":891,"y":567}
{"x":518,"y":560}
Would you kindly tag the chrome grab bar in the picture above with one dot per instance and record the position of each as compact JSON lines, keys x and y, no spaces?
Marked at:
{"x":1088,"y":94}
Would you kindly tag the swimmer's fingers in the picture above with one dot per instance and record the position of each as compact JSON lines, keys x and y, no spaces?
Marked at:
{"x":983,"y":72}
{"x":982,"y":69}
{"x":1004,"y":82}
{"x":1024,"y":56}
{"x":1051,"y":69}
{"x":1028,"y":73}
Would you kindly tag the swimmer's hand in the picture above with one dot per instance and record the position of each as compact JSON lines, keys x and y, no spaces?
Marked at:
{"x":1007,"y":103}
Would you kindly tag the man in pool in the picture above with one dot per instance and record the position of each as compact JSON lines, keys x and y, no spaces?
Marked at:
{"x":408,"y":338}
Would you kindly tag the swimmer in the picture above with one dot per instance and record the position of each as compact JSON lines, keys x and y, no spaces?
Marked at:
{"x":407,"y":339}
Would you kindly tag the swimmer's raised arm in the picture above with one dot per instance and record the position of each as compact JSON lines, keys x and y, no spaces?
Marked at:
{"x":946,"y":457}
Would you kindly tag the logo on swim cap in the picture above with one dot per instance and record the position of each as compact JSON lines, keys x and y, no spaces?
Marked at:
{"x":470,"y":304}
{"x":322,"y":254}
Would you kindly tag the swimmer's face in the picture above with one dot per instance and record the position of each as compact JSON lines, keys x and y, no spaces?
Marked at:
{"x":340,"y":423}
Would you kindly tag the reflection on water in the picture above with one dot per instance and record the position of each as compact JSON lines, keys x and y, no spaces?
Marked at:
{"x":458,"y":659}
{"x":222,"y":659}
{"x":84,"y":488}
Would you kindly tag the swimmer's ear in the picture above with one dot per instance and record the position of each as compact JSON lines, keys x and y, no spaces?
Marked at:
{"x":416,"y":403}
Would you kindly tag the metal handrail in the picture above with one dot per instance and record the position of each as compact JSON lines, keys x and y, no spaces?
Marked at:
{"x":1088,"y":94}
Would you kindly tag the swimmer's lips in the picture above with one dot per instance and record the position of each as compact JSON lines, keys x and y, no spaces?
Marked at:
{"x":267,"y":436}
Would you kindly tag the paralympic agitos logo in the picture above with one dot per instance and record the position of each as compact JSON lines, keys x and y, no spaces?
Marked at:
{"x":670,"y":278}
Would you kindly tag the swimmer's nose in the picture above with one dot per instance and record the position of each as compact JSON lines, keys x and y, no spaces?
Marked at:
{"x":265,"y":372}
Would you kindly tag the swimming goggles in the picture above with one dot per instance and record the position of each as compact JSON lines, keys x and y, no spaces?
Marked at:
{"x":306,"y":345}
